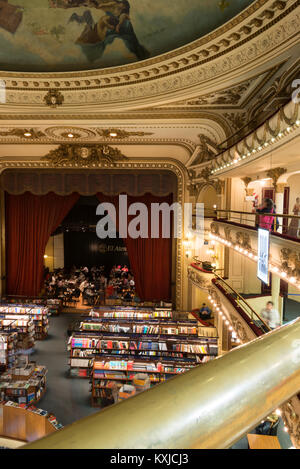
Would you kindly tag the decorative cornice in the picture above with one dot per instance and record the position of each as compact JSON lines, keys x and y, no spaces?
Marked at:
{"x":250,"y":38}
{"x":60,"y":134}
{"x":235,"y":22}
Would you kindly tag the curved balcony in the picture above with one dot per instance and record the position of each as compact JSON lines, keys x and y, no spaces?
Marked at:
{"x":238,"y":231}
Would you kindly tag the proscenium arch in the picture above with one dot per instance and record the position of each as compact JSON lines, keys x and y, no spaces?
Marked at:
{"x":143,"y":165}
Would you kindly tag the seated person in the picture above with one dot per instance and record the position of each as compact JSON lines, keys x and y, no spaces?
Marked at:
{"x":205,"y":312}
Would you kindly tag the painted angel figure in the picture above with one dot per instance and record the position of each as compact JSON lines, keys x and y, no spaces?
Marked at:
{"x":114,"y":24}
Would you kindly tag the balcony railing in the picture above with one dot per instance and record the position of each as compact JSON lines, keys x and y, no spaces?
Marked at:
{"x":288,"y":225}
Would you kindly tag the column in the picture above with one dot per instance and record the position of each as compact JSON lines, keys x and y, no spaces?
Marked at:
{"x":276,"y":298}
{"x":279,"y":201}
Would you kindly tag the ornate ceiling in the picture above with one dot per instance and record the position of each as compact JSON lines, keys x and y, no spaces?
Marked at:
{"x":65,"y":35}
{"x":186,"y":105}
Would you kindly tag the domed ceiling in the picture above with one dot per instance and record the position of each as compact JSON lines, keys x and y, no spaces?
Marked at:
{"x":66,"y":35}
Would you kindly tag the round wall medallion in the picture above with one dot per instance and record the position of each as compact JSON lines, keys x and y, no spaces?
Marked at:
{"x":69,"y":133}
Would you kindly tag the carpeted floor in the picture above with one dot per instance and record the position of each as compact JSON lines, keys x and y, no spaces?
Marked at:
{"x":292,"y":309}
{"x":68,"y":398}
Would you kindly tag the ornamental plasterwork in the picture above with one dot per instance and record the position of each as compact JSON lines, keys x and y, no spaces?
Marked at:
{"x":237,"y":120}
{"x":214,"y":228}
{"x":54,"y":98}
{"x":290,"y":262}
{"x":207,"y":150}
{"x":240,"y":329}
{"x":275,"y":174}
{"x":121,"y":134}
{"x":84,"y":155}
{"x":279,"y":128}
{"x":22,"y":132}
{"x":61,"y":134}
{"x":202,"y":281}
{"x":229,"y":97}
{"x":243,"y":240}
{"x":291,"y":416}
{"x":227,"y":232}
{"x":189,"y":66}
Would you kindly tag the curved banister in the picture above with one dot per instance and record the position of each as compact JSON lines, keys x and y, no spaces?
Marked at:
{"x":244,"y":304}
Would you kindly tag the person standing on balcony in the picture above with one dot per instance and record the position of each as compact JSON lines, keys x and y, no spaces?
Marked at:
{"x":266,"y":220}
{"x":295,"y":223}
{"x":270,"y":315}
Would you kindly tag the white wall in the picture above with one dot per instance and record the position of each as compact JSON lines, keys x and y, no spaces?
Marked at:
{"x":294,"y":184}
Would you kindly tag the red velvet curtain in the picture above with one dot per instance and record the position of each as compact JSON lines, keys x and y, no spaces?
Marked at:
{"x":30,"y":221}
{"x":150,"y":259}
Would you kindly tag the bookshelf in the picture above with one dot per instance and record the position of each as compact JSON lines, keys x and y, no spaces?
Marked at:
{"x":54,"y":306}
{"x":8,"y":350}
{"x":24,"y":385}
{"x":26,"y":422}
{"x":171,"y":340}
{"x":110,"y":374}
{"x":38,"y":314}
{"x":24,"y":329}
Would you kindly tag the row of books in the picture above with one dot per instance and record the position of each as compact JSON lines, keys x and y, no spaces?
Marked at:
{"x":39,"y":322}
{"x":32,"y":310}
{"x":8,"y":349}
{"x":139,"y":329}
{"x":132,"y":365}
{"x":158,"y":345}
{"x":132,"y":313}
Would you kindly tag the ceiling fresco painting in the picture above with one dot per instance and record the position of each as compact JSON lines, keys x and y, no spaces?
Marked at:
{"x":66,"y":35}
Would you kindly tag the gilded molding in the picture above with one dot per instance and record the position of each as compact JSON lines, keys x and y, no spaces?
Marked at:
{"x":199,"y":280}
{"x":84,"y":156}
{"x":188,"y":67}
{"x":259,"y":143}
